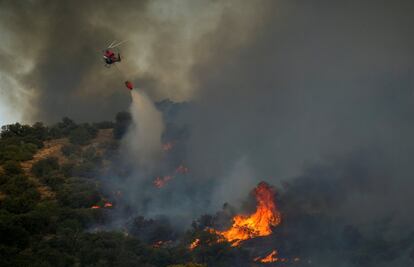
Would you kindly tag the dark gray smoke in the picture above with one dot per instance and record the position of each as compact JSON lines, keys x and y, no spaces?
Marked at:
{"x":325,"y":84}
{"x":321,"y":80}
{"x":317,"y":81}
{"x":51,"y":51}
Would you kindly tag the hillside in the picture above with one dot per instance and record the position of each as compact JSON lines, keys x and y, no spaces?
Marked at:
{"x":53,"y":149}
{"x":70,"y":197}
{"x":49,"y":191}
{"x":50,"y":149}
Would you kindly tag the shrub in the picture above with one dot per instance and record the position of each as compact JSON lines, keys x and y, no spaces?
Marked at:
{"x":67,"y":169}
{"x":78,"y":194}
{"x":12,"y":168}
{"x":53,"y":180}
{"x":45,"y":167}
{"x":21,"y":204}
{"x":91,"y":155}
{"x":85,"y":169}
{"x":80,"y":136}
{"x":70,"y":149}
{"x":16,"y":185}
{"x":17,"y":152}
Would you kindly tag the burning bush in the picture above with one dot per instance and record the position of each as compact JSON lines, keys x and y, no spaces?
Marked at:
{"x":257,"y":224}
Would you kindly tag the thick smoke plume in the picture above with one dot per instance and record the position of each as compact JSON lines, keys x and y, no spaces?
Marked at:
{"x":51,"y":52}
{"x":316,"y":82}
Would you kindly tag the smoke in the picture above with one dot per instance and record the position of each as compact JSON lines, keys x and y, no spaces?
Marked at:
{"x":314,"y":82}
{"x":167,"y":42}
{"x":240,"y":176}
{"x":318,"y":94}
{"x":51,"y":52}
{"x":320,"y":81}
{"x":143,"y":140}
{"x":345,"y":211}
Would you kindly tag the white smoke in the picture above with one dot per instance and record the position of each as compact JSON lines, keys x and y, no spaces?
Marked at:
{"x":143,"y":140}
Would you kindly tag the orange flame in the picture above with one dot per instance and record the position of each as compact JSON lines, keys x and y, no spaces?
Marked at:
{"x":161,"y":243}
{"x":182,"y":169}
{"x":108,"y":205}
{"x":194,"y":244}
{"x":272,"y":257}
{"x":161,"y":181}
{"x":158,"y":244}
{"x":167,"y":146}
{"x":257,"y":224}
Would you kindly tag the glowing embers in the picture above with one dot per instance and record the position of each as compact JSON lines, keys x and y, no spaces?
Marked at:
{"x":162,"y":244}
{"x":257,"y":224}
{"x":160,"y":182}
{"x":181,"y":169}
{"x":108,"y":205}
{"x":194,"y":244}
{"x":105,"y":205}
{"x":168,"y":146}
{"x":273,"y":257}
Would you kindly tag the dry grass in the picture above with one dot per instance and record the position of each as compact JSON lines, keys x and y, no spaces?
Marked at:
{"x":53,"y":148}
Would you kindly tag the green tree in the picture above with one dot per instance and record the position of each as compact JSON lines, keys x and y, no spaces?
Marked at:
{"x":71,"y":149}
{"x":80,"y":136}
{"x":17,"y":152}
{"x":12,"y":168}
{"x":45,"y":167}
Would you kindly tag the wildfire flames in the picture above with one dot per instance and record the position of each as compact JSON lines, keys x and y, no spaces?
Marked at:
{"x":181,"y":169}
{"x":259,"y":223}
{"x":194,"y":244}
{"x":167,"y":146}
{"x":106,"y":205}
{"x":161,"y":181}
{"x":272,"y":257}
{"x":161,"y":243}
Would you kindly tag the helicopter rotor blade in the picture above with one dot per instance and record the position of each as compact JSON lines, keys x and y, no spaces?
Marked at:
{"x":117,"y":44}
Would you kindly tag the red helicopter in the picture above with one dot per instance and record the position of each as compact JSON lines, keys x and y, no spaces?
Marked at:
{"x":110,"y":58}
{"x":109,"y":55}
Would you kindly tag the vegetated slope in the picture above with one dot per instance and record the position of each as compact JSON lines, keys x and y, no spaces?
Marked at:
{"x":49,"y":184}
{"x":51,"y":148}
